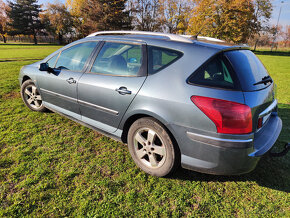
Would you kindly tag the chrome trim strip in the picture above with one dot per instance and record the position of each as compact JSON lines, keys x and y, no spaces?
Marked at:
{"x":107,"y":110}
{"x":59,"y":95}
{"x":269,"y":109}
{"x":221,"y":142}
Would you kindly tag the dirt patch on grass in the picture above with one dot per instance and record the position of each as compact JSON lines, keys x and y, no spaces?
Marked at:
{"x":10,"y":95}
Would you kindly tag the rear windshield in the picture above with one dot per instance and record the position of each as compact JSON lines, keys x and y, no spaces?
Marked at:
{"x":248,"y":68}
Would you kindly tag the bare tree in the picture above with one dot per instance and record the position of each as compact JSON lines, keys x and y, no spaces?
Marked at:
{"x":286,"y":36}
{"x":3,"y":20}
{"x":145,"y":14}
{"x":175,"y":15}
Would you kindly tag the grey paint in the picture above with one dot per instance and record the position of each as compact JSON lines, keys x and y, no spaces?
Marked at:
{"x":94,"y":101}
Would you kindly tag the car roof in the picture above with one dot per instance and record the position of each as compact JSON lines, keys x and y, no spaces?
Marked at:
{"x":167,"y":40}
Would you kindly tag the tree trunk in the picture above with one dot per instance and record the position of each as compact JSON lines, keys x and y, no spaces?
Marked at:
{"x":34,"y":39}
{"x":59,"y":39}
{"x":4,"y":39}
{"x":256,"y":44}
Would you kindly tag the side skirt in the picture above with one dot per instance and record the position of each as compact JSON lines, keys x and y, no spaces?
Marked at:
{"x":115,"y":137}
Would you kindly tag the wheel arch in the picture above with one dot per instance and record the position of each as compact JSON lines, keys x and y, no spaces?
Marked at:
{"x":24,"y":78}
{"x":125,"y":125}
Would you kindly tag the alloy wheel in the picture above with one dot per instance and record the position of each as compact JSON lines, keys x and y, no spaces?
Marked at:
{"x":149,"y":148}
{"x":32,"y":96}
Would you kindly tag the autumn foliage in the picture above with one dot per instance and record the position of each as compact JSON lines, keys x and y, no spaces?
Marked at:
{"x":231,"y":20}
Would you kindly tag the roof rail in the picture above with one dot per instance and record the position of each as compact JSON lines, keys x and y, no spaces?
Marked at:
{"x":204,"y":38}
{"x":172,"y":37}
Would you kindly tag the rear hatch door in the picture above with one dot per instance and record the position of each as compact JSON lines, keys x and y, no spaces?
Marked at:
{"x":258,"y":88}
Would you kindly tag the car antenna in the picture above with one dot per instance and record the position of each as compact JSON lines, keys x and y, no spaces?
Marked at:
{"x":194,"y":37}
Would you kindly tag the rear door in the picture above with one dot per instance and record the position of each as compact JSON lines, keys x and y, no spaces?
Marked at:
{"x":111,"y":82}
{"x":59,"y":89}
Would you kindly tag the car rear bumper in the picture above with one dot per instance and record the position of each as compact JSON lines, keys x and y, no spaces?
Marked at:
{"x":225,"y":154}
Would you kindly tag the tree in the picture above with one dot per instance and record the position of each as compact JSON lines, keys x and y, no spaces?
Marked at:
{"x":263,"y":11}
{"x":96,"y":15}
{"x":3,"y":20}
{"x":75,"y":8}
{"x":174,"y":15}
{"x":58,"y":20}
{"x":145,"y":14}
{"x":24,"y":16}
{"x":286,"y":35}
{"x":232,"y":20}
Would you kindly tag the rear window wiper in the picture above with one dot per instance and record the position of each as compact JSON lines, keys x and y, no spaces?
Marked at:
{"x":264,"y":80}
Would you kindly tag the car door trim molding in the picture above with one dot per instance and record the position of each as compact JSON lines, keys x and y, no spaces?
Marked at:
{"x":59,"y":95}
{"x":98,"y":107}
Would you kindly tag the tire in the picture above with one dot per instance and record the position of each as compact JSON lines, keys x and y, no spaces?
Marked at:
{"x":31,"y":96}
{"x":151,"y":147}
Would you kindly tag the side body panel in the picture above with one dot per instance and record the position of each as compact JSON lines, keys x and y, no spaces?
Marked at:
{"x":166,"y":96}
{"x":57,"y":91}
{"x":100,"y":104}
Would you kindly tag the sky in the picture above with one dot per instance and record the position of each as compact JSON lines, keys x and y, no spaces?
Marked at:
{"x":285,"y":12}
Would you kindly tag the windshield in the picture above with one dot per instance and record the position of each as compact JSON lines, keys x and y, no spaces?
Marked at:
{"x":248,"y":68}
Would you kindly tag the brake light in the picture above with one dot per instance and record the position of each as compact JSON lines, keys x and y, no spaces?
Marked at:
{"x":229,"y":117}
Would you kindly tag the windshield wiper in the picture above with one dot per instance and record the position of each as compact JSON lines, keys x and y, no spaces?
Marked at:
{"x":264,"y":80}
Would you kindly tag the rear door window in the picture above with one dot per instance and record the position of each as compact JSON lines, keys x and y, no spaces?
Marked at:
{"x":215,"y":73}
{"x":118,"y":59}
{"x":249,"y":69}
{"x":159,"y":58}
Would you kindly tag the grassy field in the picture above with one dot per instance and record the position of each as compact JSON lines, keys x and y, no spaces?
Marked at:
{"x":51,"y":166}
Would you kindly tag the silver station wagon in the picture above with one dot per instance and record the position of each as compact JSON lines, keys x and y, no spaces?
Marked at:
{"x":199,"y":103}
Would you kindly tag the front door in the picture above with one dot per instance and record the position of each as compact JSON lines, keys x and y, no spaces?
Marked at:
{"x":59,"y":89}
{"x":106,"y":90}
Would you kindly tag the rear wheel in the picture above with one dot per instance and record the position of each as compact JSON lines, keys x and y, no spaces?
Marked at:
{"x":31,"y":96}
{"x":152,"y":148}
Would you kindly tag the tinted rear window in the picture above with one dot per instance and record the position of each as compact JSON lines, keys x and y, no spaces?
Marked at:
{"x":216,"y":72}
{"x":249,"y":69}
{"x":159,"y":58}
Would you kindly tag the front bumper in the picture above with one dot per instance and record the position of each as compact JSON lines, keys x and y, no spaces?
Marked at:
{"x":225,"y":154}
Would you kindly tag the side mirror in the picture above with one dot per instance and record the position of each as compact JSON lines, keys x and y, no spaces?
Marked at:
{"x":45,"y":67}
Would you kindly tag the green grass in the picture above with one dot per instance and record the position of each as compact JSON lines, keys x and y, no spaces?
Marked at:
{"x":51,"y":166}
{"x":24,"y":52}
{"x":279,"y":69}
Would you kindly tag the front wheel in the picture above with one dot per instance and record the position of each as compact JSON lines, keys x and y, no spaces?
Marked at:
{"x":152,"y":148}
{"x":31,"y":96}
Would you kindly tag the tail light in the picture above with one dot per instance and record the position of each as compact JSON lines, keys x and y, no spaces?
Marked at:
{"x":260,"y":122}
{"x":229,"y":117}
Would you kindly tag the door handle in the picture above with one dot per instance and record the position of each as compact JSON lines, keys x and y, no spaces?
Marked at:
{"x":123,"y":91}
{"x":71,"y":80}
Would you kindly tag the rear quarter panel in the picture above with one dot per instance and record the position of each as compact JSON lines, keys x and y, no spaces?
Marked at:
{"x":166,"y":94}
